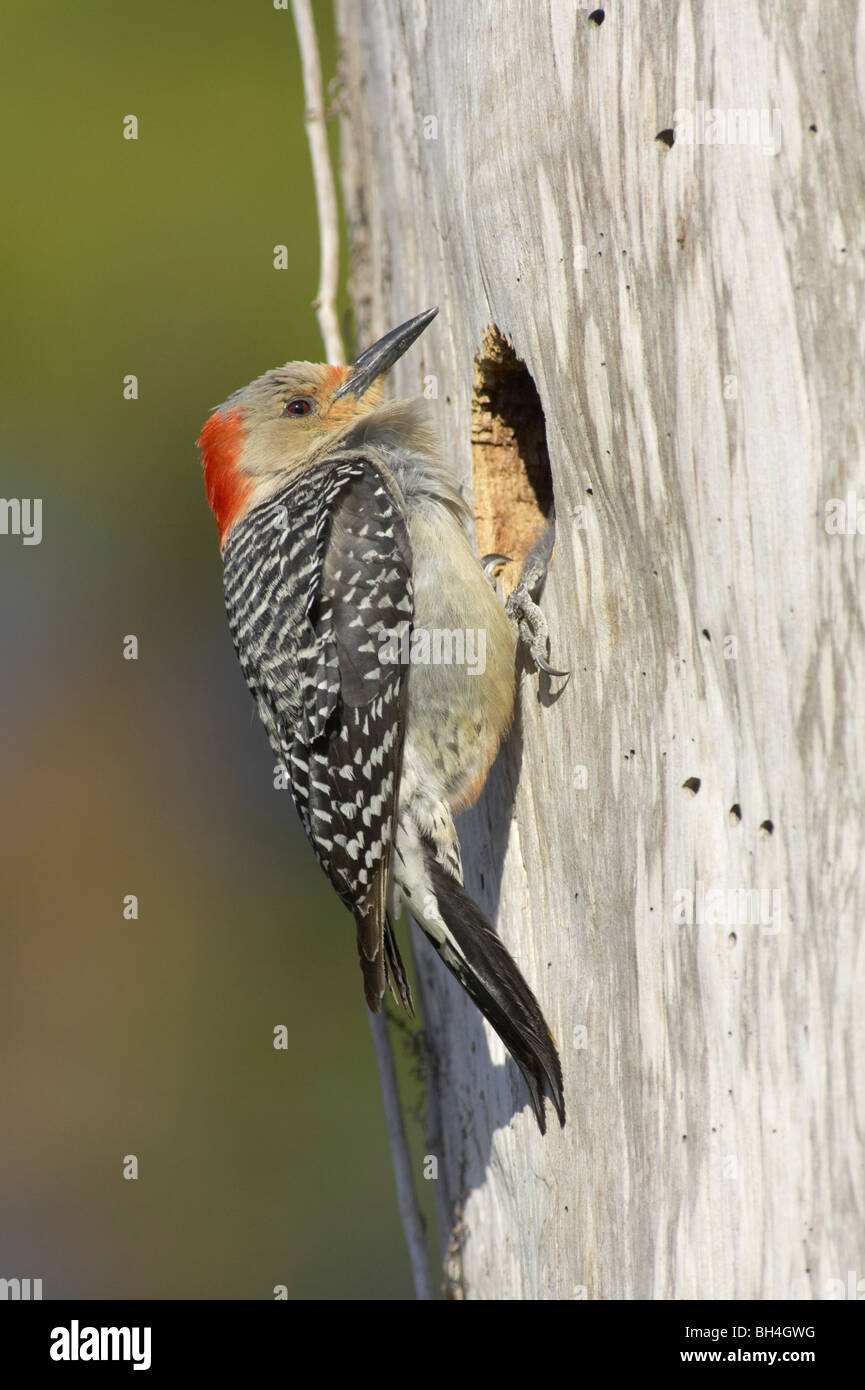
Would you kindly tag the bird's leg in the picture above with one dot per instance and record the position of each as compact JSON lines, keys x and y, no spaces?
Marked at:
{"x":524,"y":613}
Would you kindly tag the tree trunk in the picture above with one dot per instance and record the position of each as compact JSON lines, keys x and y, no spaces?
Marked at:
{"x":671,"y":844}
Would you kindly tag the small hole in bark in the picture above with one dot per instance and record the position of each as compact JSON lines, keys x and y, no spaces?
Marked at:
{"x":732,"y":938}
{"x":706,"y":634}
{"x":692,"y":785}
{"x":767,"y":827}
{"x":597,"y":17}
{"x":513,"y":485}
{"x":666,"y":137}
{"x":813,"y":128}
{"x":735,"y":813}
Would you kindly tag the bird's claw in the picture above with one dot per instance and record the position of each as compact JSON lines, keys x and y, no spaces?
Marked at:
{"x":543,"y":665}
{"x":532,"y":628}
{"x":493,"y":562}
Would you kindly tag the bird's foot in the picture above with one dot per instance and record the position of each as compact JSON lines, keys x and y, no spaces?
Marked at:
{"x":524,"y":613}
{"x":531,"y":626}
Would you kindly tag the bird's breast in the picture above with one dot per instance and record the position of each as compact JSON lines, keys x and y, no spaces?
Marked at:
{"x":462,"y":677}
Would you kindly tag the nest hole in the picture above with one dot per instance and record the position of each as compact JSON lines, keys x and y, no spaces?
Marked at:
{"x":513,"y":484}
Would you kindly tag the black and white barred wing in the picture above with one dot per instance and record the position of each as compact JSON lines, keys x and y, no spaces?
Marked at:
{"x":354,"y":699}
{"x":333,"y":564}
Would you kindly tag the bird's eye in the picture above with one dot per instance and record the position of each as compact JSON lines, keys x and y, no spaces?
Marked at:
{"x":298,"y":405}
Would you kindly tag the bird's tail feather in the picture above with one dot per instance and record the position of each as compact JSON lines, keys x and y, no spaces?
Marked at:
{"x":486,"y":971}
{"x":396,"y":972}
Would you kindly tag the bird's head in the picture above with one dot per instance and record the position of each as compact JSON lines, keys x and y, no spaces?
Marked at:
{"x":285,"y":421}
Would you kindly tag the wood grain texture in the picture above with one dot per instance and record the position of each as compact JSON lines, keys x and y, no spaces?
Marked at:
{"x":693,"y":318}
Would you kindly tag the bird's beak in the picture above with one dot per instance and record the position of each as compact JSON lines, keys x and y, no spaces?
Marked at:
{"x":376,"y":360}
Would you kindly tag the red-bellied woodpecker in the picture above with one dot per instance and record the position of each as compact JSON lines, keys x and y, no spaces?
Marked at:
{"x":346,"y":556}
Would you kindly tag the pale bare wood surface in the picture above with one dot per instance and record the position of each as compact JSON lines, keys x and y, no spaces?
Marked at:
{"x":693,"y":319}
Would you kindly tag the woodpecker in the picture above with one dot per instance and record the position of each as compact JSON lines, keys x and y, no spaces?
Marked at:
{"x":342,"y":533}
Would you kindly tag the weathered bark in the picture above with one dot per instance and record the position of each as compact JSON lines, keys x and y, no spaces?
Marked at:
{"x":692,"y":317}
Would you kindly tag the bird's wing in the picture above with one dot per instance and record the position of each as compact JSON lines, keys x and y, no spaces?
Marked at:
{"x":312,"y":578}
{"x":350,"y":733}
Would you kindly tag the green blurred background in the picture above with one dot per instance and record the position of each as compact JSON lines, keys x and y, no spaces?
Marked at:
{"x":154,"y":1037}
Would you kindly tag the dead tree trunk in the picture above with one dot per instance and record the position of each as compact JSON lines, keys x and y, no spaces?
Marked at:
{"x":644,"y":233}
